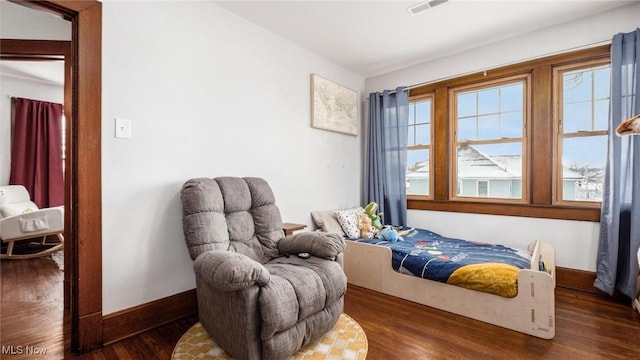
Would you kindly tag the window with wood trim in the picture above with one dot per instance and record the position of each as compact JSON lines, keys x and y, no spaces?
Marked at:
{"x":581,"y":92}
{"x":476,"y":119}
{"x":419,"y":148}
{"x":489,"y":140}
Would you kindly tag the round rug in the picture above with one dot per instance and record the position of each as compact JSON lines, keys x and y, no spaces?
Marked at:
{"x":346,"y":340}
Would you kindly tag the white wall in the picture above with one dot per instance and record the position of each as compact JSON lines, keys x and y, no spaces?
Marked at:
{"x":576,"y":241}
{"x":15,"y":87}
{"x":208,"y":94}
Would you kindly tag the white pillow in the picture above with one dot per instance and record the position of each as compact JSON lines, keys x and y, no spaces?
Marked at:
{"x":18,"y":208}
{"x":348,"y":219}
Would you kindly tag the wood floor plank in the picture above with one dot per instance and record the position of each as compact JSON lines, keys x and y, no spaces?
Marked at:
{"x":588,"y":326}
{"x":44,"y":280}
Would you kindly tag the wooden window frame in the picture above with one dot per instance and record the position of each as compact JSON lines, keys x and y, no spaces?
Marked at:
{"x":541,"y":126}
{"x":559,"y":135}
{"x":525,"y":79}
{"x":422,"y":147}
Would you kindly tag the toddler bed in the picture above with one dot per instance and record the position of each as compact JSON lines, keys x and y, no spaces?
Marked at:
{"x":525,"y":304}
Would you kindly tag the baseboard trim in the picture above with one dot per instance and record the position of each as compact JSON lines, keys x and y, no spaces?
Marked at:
{"x":576,"y":279}
{"x":129,"y":322}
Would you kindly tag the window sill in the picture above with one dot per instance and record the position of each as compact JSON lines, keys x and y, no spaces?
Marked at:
{"x":523,"y":210}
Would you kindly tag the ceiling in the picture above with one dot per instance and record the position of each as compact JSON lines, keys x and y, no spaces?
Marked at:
{"x":21,"y":22}
{"x":44,"y":72}
{"x":374,"y":37}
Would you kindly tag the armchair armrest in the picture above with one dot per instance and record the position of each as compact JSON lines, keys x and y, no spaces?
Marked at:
{"x":323,"y":245}
{"x":41,"y":222}
{"x":230,"y":271}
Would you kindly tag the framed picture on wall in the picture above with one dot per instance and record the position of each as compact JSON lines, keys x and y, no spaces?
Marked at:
{"x":333,"y":106}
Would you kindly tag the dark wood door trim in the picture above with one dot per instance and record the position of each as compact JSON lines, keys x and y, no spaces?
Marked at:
{"x":86,"y":182}
{"x":18,"y":49}
{"x":83,"y":194}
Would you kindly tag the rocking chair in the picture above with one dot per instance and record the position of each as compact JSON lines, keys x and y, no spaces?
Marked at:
{"x":20,"y":219}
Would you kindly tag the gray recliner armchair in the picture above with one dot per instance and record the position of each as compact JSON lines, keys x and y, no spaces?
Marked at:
{"x":256,"y":298}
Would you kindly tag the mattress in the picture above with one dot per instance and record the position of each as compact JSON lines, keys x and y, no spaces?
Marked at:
{"x":474,"y":265}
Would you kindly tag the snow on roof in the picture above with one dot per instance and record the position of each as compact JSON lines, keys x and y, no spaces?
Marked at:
{"x":421,"y":171}
{"x":474,"y":164}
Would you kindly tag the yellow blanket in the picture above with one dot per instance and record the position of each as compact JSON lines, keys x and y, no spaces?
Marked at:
{"x":494,"y":278}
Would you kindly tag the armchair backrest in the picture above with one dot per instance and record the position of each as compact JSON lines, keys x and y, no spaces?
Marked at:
{"x":230,"y":213}
{"x":15,"y":200}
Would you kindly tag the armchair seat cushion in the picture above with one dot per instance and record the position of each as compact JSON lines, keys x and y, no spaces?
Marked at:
{"x":298,"y":289}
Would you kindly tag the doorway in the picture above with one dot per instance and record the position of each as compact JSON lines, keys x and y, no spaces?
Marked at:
{"x":83,"y":202}
{"x":32,"y":288}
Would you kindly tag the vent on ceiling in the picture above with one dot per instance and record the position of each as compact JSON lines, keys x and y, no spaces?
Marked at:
{"x":424,"y":5}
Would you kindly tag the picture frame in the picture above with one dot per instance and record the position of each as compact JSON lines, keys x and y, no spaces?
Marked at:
{"x":333,"y":107}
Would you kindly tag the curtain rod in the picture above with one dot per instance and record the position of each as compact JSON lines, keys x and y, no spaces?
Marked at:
{"x":575,"y":48}
{"x":12,"y":97}
{"x":406,"y":88}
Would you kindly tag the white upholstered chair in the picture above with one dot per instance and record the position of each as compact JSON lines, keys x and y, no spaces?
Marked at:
{"x":20,"y":219}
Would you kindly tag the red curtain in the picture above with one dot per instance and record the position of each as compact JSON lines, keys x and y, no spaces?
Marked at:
{"x":36,"y":151}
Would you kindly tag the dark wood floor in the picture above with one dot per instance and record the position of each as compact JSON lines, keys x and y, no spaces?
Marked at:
{"x":588,"y":326}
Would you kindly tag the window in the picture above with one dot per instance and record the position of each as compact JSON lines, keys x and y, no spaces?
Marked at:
{"x":489,"y":140}
{"x":483,"y":188}
{"x":582,"y":117}
{"x":419,"y":147}
{"x":523,"y":140}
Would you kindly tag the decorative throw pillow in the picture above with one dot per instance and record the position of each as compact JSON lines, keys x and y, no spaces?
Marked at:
{"x":348,"y":219}
{"x":326,"y":221}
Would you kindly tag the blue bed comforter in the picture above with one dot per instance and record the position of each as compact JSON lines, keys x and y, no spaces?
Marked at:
{"x":479,"y":266}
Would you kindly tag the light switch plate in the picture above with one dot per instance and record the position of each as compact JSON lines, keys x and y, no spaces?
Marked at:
{"x":122,"y":128}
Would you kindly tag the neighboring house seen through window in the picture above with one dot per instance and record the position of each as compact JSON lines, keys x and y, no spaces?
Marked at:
{"x":581,"y":126}
{"x":489,"y":139}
